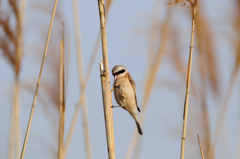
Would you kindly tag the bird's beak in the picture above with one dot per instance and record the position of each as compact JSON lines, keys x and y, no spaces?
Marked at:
{"x":115,"y":77}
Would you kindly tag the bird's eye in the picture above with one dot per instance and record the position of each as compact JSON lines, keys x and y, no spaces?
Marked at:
{"x":119,"y":72}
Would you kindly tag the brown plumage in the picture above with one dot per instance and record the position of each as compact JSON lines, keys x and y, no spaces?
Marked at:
{"x":134,"y":89}
{"x":125,"y":92}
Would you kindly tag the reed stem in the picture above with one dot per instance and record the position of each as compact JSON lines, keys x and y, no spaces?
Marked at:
{"x":88,"y":73}
{"x":185,"y":112}
{"x":17,"y":117}
{"x":151,"y":74}
{"x":61,"y":104}
{"x":81,"y":79}
{"x":200,"y":146}
{"x":105,"y":82}
{"x":38,"y":83}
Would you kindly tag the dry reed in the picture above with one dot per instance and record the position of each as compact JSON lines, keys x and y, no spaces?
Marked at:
{"x":223,"y":110}
{"x":81,"y":79}
{"x":70,"y":132}
{"x":19,"y":54}
{"x":207,"y":72}
{"x":200,"y":146}
{"x":238,"y":137}
{"x":48,"y":96}
{"x":96,"y":46}
{"x":185,"y":112}
{"x":38,"y":83}
{"x":12,"y":37}
{"x":233,"y":80}
{"x":68,"y":62}
{"x":205,"y":77}
{"x":105,"y":82}
{"x":80,"y":100}
{"x":88,"y":73}
{"x":151,"y":74}
{"x":11,"y":139}
{"x":61,"y":101}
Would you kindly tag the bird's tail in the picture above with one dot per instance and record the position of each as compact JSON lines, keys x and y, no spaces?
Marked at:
{"x":139,"y":128}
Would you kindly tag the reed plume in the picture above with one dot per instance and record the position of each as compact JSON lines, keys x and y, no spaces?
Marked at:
{"x":13,"y":36}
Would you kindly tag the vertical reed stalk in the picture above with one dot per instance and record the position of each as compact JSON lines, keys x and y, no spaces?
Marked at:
{"x":96,"y":46}
{"x":72,"y":126}
{"x":185,"y":113}
{"x":81,"y":78}
{"x":80,"y":100}
{"x":17,"y":117}
{"x":19,"y":53}
{"x":22,"y":11}
{"x":14,"y":138}
{"x":61,"y":103}
{"x":200,"y":146}
{"x":150,"y":81}
{"x":67,"y":69}
{"x":88,"y":73}
{"x":38,"y":83}
{"x":11,"y":136}
{"x":14,"y":57}
{"x":86,"y":126}
{"x":223,"y":112}
{"x":105,"y":82}
{"x":93,"y":57}
{"x":238,"y":137}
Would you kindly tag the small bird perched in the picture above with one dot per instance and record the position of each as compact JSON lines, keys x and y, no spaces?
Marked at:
{"x":125,"y":93}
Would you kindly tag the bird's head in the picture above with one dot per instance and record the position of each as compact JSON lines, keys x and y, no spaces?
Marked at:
{"x":119,"y":71}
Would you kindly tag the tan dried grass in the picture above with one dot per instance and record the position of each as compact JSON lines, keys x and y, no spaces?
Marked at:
{"x":38,"y":82}
{"x":151,"y":74}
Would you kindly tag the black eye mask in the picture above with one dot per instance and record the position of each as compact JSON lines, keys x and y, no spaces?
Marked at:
{"x":119,"y":72}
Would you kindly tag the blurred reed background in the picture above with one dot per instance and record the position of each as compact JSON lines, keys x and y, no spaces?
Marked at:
{"x":152,"y":39}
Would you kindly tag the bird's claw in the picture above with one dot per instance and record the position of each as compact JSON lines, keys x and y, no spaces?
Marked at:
{"x":116,"y":86}
{"x":114,"y":106}
{"x":112,"y":89}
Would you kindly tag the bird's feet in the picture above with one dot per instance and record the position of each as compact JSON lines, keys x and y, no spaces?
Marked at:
{"x":114,"y":106}
{"x":114,"y":87}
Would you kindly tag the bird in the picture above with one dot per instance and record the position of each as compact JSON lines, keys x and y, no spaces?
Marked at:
{"x":125,"y":93}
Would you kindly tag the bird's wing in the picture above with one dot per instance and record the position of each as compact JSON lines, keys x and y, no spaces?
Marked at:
{"x":134,"y":90}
